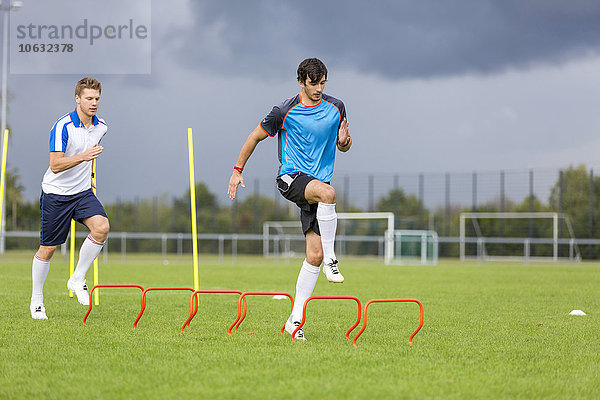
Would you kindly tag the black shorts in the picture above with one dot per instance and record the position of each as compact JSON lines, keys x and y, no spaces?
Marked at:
{"x":58,"y":210}
{"x":292,"y":187}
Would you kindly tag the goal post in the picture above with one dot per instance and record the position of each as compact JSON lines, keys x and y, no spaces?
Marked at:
{"x":388,"y":252}
{"x":481,"y":239}
{"x":415,"y":247}
{"x":281,"y":236}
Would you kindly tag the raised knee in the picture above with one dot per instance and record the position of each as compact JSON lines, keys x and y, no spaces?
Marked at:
{"x":101,"y":230}
{"x":329,"y":195}
{"x":105,"y":227}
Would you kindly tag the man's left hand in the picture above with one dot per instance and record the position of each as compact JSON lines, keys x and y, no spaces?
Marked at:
{"x":344,"y":140}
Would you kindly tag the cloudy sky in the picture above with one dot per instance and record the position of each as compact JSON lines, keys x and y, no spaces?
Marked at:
{"x":429,"y":86}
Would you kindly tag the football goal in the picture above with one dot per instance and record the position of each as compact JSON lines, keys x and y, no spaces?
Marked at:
{"x":516,"y":236}
{"x":360,"y":233}
{"x":415,"y":247}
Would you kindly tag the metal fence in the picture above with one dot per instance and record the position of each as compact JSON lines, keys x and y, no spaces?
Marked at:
{"x":175,"y":245}
{"x":439,"y":193}
{"x":442,"y":196}
{"x":178,"y":244}
{"x":435,"y":190}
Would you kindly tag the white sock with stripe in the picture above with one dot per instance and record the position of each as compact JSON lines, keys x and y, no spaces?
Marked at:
{"x":39,"y":272}
{"x":307,"y":279}
{"x":327,"y":219}
{"x":88,"y":253}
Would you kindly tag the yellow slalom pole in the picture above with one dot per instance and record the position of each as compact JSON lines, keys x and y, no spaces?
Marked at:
{"x":72,"y":252}
{"x":193,"y":206}
{"x":3,"y":173}
{"x":96,"y":292}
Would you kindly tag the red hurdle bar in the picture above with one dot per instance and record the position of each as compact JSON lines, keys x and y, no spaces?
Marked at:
{"x":106,"y":286}
{"x":194,"y":296}
{"x":389,"y":301}
{"x":329,"y":298}
{"x":241,"y":317}
{"x":151,"y":289}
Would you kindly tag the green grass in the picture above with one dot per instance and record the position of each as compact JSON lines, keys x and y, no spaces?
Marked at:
{"x":491,"y":331}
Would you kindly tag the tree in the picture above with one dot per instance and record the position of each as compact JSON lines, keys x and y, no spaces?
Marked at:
{"x":14,"y":196}
{"x":407,"y":208}
{"x":207,"y":210}
{"x":573,"y":198}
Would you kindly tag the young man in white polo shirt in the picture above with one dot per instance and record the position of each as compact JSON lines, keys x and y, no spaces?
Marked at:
{"x":67,"y":193}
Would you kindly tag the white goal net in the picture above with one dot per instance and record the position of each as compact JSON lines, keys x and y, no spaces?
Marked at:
{"x":415,"y":247}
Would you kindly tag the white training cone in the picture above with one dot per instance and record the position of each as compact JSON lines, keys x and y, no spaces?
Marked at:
{"x":577,"y":312}
{"x":279,"y":297}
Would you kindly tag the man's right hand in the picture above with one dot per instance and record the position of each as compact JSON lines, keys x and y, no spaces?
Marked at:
{"x":235,"y":180}
{"x":92,"y":153}
{"x":60,"y":163}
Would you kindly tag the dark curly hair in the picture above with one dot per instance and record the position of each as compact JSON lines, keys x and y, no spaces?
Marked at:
{"x":311,"y":68}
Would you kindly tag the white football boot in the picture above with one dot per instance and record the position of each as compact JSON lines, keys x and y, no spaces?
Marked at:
{"x":332,"y":272}
{"x":290,"y":327}
{"x":38,"y":311}
{"x":81,"y":291}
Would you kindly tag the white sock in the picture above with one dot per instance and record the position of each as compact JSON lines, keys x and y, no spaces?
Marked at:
{"x":307,"y":279}
{"x":327,"y":219}
{"x":88,"y":253}
{"x":39,"y":272}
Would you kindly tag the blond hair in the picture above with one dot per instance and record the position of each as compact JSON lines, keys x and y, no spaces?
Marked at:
{"x":87,"y":83}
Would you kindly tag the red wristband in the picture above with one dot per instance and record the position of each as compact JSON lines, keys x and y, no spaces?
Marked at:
{"x":238,"y":169}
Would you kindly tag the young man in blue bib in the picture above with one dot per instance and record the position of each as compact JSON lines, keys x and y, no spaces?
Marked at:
{"x":67,"y":193}
{"x":309,"y":127}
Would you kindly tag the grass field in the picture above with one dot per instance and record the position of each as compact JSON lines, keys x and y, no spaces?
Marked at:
{"x":491,"y":331}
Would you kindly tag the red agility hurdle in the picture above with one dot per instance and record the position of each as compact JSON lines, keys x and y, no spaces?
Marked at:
{"x":151,"y":289}
{"x":106,"y":286}
{"x":242,"y":298}
{"x":389,"y":301}
{"x":194,"y":303}
{"x":329,"y":298}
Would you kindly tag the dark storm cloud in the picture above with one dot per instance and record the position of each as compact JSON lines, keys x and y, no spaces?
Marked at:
{"x":394,"y":38}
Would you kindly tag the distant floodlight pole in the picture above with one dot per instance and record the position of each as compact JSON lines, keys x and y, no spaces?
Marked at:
{"x":14,"y":5}
{"x":193,"y":207}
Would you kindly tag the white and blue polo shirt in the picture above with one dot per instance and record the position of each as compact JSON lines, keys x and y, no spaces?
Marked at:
{"x":307,"y":135}
{"x":70,"y":136}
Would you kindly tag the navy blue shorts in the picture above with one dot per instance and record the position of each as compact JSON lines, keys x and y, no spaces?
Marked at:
{"x":58,"y":210}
